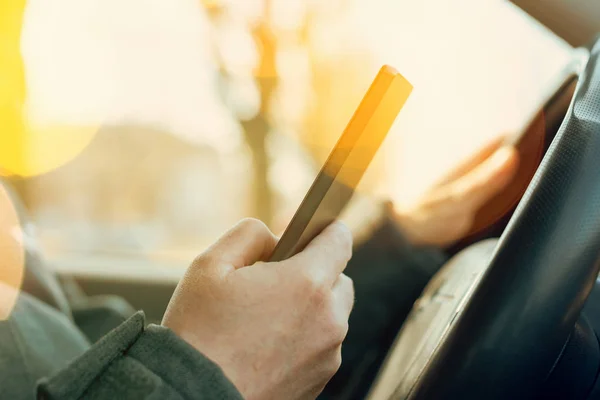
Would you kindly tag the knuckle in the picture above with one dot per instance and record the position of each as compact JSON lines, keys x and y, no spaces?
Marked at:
{"x":312,"y":282}
{"x":319,"y":295}
{"x":253,"y":225}
{"x":341,"y":330}
{"x":338,"y":241}
{"x":204,"y":268}
{"x":344,"y":241}
{"x":347,"y":295}
{"x":347,"y":283}
{"x":335,"y":362}
{"x":257,"y":229}
{"x":202,"y":260}
{"x":337,"y":328}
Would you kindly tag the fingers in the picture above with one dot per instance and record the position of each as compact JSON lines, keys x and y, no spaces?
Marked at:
{"x":343,"y":296}
{"x":246,"y":243}
{"x":326,"y":256}
{"x":487,"y":179}
{"x":474,"y":161}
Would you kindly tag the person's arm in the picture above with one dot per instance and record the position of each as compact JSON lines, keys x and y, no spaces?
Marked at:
{"x":134,"y":361}
{"x":235,"y":328}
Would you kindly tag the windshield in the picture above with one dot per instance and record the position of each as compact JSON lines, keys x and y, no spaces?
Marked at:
{"x":157,"y":125}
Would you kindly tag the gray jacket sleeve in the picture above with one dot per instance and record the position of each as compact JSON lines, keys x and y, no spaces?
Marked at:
{"x":134,"y":362}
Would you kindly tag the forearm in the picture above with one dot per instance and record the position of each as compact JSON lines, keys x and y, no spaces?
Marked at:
{"x":141,"y":363}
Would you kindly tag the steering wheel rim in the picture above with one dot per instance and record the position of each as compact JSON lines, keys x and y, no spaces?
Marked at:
{"x":517,"y":320}
{"x":512,"y":328}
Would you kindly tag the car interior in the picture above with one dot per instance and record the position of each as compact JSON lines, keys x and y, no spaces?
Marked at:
{"x":509,"y":316}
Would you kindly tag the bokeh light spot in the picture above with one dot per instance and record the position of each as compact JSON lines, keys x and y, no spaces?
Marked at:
{"x":12,"y":255}
{"x":27,"y":148}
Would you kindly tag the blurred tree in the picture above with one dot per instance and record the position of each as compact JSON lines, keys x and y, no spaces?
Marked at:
{"x":258,"y":128}
{"x":325,"y":37}
{"x":256,"y":125}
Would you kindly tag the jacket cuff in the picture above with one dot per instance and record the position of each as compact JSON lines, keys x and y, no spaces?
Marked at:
{"x":73,"y":381}
{"x":181,"y":366}
{"x":153,"y":358}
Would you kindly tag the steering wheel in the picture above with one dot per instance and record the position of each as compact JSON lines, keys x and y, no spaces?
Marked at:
{"x":503,"y":317}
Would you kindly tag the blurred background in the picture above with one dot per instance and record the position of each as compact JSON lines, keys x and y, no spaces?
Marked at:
{"x":186,"y":115}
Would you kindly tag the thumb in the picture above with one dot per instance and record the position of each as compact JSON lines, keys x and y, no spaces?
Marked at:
{"x":246,"y":243}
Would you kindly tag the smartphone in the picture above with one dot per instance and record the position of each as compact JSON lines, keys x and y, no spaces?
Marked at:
{"x":335,"y":184}
{"x":531,"y":140}
{"x":555,"y":94}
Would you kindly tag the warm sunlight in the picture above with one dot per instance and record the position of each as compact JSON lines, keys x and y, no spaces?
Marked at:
{"x":478,"y":68}
{"x":260,"y":100}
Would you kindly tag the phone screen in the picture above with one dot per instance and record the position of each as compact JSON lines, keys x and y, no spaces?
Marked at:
{"x":335,"y":184}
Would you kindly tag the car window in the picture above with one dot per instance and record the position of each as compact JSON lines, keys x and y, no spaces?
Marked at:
{"x":178,"y":118}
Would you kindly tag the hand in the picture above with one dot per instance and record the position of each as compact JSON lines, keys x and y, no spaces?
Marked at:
{"x":446,"y":213}
{"x":275,"y":329}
